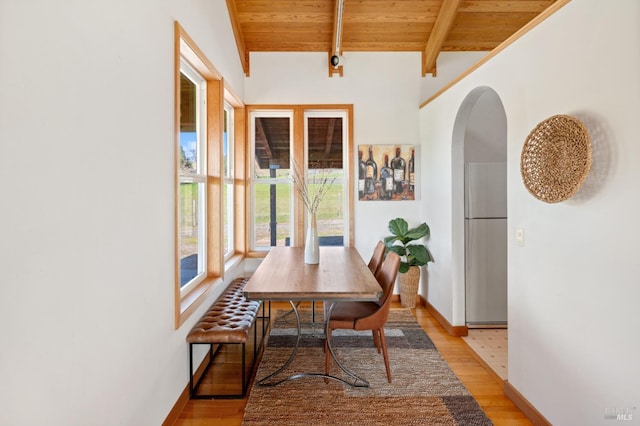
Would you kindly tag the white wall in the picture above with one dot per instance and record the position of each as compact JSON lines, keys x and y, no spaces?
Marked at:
{"x":573,"y":286}
{"x":86,"y":224}
{"x":385,"y":89}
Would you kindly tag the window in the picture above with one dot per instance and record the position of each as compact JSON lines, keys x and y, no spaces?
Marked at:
{"x":192,"y":214}
{"x":316,"y":138}
{"x":325,"y":136}
{"x":210,"y":177}
{"x":271,"y":213}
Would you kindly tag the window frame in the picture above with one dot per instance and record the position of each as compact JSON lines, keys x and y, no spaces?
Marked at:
{"x":342,"y":114}
{"x":266,"y":113}
{"x":299,"y":154}
{"x":228,"y":179}
{"x":199,"y":177}
{"x":217,"y":93}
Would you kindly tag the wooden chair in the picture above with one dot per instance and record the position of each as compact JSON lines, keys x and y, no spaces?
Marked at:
{"x":374,"y":264}
{"x":376,"y":257}
{"x":368,"y":315}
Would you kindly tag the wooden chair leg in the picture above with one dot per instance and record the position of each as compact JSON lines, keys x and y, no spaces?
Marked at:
{"x":383,"y":341}
{"x":376,"y":339}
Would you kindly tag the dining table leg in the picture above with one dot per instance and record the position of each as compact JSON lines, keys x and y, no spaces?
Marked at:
{"x":270,"y":380}
{"x":265,"y":381}
{"x":358,"y":381}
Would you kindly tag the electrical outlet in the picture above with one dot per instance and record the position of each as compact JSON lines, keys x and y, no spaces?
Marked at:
{"x":520,"y":236}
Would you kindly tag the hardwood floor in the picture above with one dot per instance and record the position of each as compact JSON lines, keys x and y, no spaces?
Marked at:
{"x":483,"y":383}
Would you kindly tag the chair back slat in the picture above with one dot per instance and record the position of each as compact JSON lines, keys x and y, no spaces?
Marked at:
{"x":376,"y":257}
{"x":386,"y":276}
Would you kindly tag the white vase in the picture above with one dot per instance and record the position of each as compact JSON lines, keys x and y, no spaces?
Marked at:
{"x":311,"y":245}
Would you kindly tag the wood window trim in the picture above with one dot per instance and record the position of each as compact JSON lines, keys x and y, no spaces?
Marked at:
{"x":298,"y":153}
{"x":217,"y":93}
{"x":240,"y":171}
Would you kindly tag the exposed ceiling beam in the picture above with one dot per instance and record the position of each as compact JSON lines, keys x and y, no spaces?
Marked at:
{"x":337,"y":28}
{"x":441,"y":28}
{"x":425,"y":26}
{"x":336,"y":46}
{"x":237,"y":32}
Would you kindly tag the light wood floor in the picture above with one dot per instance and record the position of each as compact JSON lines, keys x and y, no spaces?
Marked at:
{"x":482,"y":382}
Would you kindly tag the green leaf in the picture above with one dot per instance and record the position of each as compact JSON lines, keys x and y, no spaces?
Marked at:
{"x":388,"y":241}
{"x":404,"y":268}
{"x":400,"y":250}
{"x":418,"y":232}
{"x":419,"y":253}
{"x":398,"y":227}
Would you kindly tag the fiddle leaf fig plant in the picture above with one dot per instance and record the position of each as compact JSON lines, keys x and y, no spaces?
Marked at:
{"x":401,"y":242}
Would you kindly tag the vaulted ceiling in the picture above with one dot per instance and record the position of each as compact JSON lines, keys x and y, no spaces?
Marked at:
{"x":338,"y":26}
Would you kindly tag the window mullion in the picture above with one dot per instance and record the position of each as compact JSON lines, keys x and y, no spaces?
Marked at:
{"x":215,"y":130}
{"x":299,"y":157}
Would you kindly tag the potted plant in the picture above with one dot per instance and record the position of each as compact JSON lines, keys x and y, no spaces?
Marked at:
{"x":412,"y":255}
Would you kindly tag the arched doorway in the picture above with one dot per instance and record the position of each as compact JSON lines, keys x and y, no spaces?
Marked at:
{"x":480,"y":210}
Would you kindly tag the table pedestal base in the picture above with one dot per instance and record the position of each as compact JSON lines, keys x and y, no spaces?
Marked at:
{"x":270,"y":380}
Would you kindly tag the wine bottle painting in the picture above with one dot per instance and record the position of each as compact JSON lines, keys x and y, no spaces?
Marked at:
{"x":386,"y":172}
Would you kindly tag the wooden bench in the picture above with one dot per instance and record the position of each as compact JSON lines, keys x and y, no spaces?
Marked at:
{"x":229,"y":321}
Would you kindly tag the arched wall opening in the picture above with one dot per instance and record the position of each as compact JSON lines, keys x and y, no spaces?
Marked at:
{"x":479,"y":136}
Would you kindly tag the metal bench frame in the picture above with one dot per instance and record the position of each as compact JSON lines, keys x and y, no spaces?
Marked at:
{"x":264,"y":315}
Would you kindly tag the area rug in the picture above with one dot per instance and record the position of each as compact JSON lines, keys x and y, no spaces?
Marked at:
{"x":424,"y":389}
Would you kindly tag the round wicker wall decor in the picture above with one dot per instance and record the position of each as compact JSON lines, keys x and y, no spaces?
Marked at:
{"x":556,"y":158}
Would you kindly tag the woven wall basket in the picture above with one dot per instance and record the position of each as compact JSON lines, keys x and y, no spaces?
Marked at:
{"x":556,"y":158}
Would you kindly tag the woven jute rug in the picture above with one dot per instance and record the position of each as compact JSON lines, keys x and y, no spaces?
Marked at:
{"x":424,"y":390}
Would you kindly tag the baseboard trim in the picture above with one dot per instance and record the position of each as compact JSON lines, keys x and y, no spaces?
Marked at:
{"x":525,"y":406}
{"x":453,"y":330}
{"x":184,"y":397}
{"x":173,"y":415}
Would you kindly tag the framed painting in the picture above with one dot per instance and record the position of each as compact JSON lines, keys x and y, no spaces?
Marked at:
{"x":386,"y":172}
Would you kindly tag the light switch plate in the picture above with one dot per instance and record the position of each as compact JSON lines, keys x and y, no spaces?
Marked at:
{"x":520,"y":236}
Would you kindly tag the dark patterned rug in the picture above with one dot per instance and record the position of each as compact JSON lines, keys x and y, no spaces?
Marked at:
{"x":424,"y":390}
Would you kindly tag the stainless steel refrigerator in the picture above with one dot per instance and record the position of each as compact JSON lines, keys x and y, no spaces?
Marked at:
{"x":486,"y":244}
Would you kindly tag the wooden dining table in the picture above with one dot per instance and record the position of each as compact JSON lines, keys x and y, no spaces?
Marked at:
{"x":341,"y":275}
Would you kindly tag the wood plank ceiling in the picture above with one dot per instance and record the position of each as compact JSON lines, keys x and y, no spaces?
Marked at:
{"x":427,"y":26}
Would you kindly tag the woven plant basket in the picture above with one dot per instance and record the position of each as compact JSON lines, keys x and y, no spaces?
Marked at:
{"x":556,"y":158}
{"x":408,"y":284}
